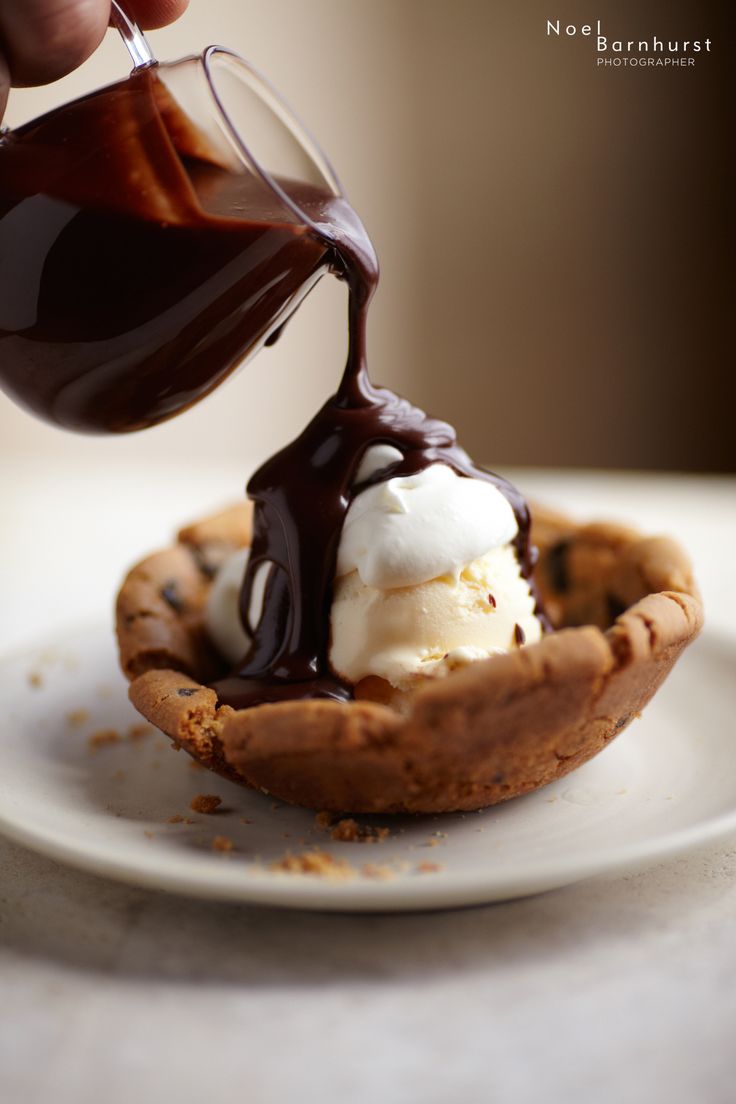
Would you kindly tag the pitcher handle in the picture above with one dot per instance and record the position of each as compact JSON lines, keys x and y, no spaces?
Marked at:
{"x":133,"y":37}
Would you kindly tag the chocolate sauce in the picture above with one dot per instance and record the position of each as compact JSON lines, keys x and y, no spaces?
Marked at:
{"x":136,"y":271}
{"x":302,"y":494}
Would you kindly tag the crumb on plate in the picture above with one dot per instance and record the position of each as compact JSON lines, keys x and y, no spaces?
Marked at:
{"x":205,"y":803}
{"x":104,"y":737}
{"x":429,"y":868}
{"x":377,"y":871}
{"x":222,"y":843}
{"x":315,"y":863}
{"x":77,"y":717}
{"x":348,"y":830}
{"x":137,"y":732}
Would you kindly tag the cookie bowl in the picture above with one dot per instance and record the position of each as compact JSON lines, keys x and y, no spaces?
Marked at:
{"x":624,"y":607}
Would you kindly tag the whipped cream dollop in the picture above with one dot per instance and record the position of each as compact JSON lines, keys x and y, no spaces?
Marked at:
{"x":410,"y":529}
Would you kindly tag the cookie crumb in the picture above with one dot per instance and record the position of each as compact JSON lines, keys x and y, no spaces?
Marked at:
{"x":148,"y":835}
{"x":194,"y":764}
{"x":222,"y":843}
{"x":77,"y":718}
{"x":350,"y":831}
{"x":104,"y":737}
{"x":170,"y":594}
{"x":177,"y":818}
{"x":379,"y":872}
{"x":315,"y":863}
{"x":429,"y":868}
{"x":137,"y":732}
{"x":35,"y":679}
{"x":205,"y":803}
{"x":245,"y":820}
{"x":346,"y":831}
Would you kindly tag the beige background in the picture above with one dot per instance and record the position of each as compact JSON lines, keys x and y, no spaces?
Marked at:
{"x":553,"y":236}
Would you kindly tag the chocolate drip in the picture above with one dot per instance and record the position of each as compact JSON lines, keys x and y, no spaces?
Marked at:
{"x":302,"y":494}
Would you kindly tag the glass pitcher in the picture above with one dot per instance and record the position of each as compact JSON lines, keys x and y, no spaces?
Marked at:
{"x":153,"y":236}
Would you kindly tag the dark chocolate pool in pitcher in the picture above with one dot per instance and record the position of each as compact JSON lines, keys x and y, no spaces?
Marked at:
{"x":136,"y":272}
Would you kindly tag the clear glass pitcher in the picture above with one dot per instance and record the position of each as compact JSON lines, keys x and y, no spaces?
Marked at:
{"x":153,"y":236}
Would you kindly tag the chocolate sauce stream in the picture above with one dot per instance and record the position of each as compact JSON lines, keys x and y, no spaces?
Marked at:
{"x":302,"y":494}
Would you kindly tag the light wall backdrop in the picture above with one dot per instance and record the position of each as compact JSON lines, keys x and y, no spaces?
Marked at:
{"x":554,"y":236}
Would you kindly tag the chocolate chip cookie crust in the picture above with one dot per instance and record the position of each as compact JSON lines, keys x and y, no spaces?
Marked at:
{"x":625,"y":606}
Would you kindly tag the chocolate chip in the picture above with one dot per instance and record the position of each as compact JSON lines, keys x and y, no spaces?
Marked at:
{"x":557,"y":566}
{"x":206,"y":564}
{"x":185,"y":691}
{"x":492,"y":600}
{"x":170,"y":594}
{"x":614,"y":607}
{"x":519,"y":634}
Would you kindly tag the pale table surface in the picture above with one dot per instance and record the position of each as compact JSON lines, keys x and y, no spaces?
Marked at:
{"x":619,"y":988}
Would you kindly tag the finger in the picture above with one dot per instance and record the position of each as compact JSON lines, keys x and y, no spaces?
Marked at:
{"x":151,"y":14}
{"x":43,"y":40}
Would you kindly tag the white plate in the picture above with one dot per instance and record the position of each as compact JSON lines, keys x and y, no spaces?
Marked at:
{"x":667,"y":783}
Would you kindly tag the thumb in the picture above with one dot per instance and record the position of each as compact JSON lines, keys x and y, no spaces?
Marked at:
{"x":42,"y":40}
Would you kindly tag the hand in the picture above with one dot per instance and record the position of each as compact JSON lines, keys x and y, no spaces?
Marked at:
{"x":42,"y":40}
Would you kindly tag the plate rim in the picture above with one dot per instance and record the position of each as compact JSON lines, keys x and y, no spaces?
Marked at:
{"x":444,"y":889}
{"x":448,"y":889}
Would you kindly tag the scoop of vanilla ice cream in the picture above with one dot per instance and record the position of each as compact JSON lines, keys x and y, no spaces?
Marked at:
{"x":222,"y":613}
{"x":405,"y":633}
{"x":427,"y":579}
